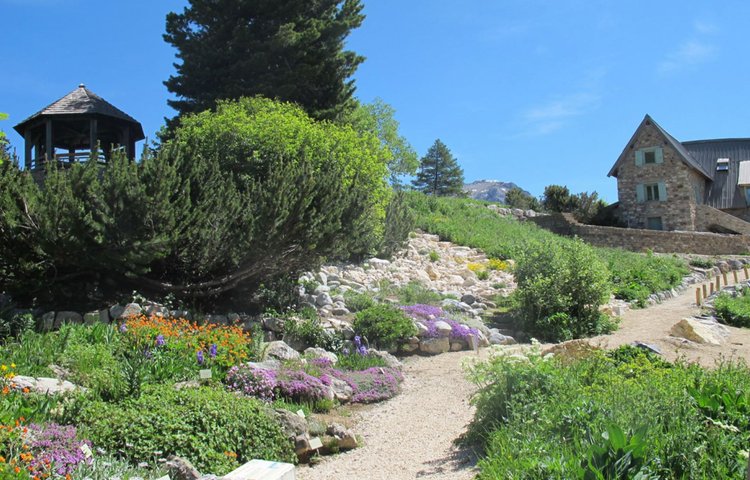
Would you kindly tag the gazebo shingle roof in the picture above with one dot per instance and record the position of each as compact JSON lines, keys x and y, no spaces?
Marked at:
{"x":82,"y":101}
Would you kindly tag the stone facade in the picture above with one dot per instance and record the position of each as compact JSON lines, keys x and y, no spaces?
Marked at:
{"x":682,"y":185}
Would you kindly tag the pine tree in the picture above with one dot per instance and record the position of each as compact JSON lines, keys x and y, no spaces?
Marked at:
{"x":439,"y":173}
{"x":291,"y":50}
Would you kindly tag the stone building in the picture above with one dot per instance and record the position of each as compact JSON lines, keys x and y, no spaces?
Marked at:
{"x":664,"y":184}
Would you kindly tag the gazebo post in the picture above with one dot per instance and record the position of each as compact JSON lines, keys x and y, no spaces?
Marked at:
{"x":49,"y":150}
{"x":92,"y":139}
{"x":27,"y":149}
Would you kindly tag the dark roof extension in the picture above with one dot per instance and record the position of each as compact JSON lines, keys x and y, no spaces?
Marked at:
{"x":723,"y":192}
{"x":82,"y":101}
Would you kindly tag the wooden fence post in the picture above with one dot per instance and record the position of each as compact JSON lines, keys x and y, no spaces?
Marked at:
{"x":744,"y":267}
{"x":736,"y":277}
{"x":718,"y":282}
{"x":698,"y":296}
{"x":725,"y":278}
{"x":705,"y":291}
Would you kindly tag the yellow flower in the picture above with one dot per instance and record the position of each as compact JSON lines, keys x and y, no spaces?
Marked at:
{"x":3,"y":367}
{"x":12,"y":365}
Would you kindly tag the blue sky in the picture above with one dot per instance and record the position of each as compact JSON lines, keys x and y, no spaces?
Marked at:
{"x":530,"y":91}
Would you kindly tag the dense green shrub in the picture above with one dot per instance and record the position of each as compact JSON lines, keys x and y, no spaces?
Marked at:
{"x":415,"y":292}
{"x":734,"y":311}
{"x":241,"y":196}
{"x":399,"y":222}
{"x":384,"y":325}
{"x":200,"y":424}
{"x":625,"y":414}
{"x":560,"y":289}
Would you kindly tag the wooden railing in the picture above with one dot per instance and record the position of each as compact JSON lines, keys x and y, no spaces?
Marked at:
{"x":66,"y":159}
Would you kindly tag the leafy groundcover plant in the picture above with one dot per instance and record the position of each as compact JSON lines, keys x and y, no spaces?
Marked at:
{"x":215,"y":429}
{"x":620,"y":414}
{"x":734,"y":310}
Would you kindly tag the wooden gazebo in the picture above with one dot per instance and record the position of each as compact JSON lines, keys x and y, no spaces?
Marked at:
{"x":70,"y":129}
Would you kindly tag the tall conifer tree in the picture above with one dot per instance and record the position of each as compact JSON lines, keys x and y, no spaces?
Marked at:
{"x":439,"y":173}
{"x":291,"y":50}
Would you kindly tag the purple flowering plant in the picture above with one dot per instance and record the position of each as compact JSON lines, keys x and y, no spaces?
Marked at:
{"x":56,"y":445}
{"x":429,"y":315}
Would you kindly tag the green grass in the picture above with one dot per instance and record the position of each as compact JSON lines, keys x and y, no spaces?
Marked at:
{"x":734,"y":311}
{"x":624,"y":411}
{"x":634,"y":276}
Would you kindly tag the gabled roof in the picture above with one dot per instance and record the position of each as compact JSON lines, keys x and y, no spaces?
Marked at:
{"x":81,"y":101}
{"x":679,"y":148}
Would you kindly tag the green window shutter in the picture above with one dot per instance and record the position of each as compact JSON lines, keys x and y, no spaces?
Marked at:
{"x":638,"y":158}
{"x":640,"y":193}
{"x":659,"y":154}
{"x":662,"y":192}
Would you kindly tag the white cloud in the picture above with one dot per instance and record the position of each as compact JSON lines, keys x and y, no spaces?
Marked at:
{"x":690,"y":54}
{"x":554,"y":115}
{"x":705,"y":28}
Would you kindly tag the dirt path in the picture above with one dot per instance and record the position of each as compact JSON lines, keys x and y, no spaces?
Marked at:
{"x":652,"y":325}
{"x":411,"y":436}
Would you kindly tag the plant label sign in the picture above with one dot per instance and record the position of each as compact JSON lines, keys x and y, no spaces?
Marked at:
{"x":315,"y":443}
{"x":300,"y":413}
{"x":205,"y":374}
{"x":86,"y":451}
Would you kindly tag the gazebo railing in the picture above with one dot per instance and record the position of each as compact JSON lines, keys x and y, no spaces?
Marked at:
{"x":66,"y":159}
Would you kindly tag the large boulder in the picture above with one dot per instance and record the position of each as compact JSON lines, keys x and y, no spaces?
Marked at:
{"x":434,"y":346}
{"x":280,"y":351}
{"x":315,"y":352}
{"x":389,"y":359}
{"x":43,"y":385}
{"x":701,"y":330}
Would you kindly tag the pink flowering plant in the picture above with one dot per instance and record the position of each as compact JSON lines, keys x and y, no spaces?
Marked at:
{"x":310,"y":382}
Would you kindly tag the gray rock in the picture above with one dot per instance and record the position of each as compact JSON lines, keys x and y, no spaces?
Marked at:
{"x":315,"y":352}
{"x":340,"y":312}
{"x":270,"y":364}
{"x":345,"y":438}
{"x":68,"y":317}
{"x":468,"y":298}
{"x":457,"y":346}
{"x":181,"y":469}
{"x":291,"y":424}
{"x":273,"y":324}
{"x":48,"y":322}
{"x":409,"y":347}
{"x":701,"y":330}
{"x":157,"y":310}
{"x":389,"y":359}
{"x":497,"y":338}
{"x":321,"y":289}
{"x":44,"y":385}
{"x":443,"y":328}
{"x":280,"y":351}
{"x":647,"y":346}
{"x":530,"y":213}
{"x":301,"y":445}
{"x":735,"y":264}
{"x":435,"y":346}
{"x":217,"y":319}
{"x":341,"y":390}
{"x":323,"y":299}
{"x":119,"y":312}
{"x":322,"y":277}
{"x":517,"y":212}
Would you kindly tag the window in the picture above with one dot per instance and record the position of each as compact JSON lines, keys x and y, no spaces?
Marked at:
{"x":651,"y":192}
{"x":649,"y":156}
{"x":654,"y":223}
{"x":722,"y":165}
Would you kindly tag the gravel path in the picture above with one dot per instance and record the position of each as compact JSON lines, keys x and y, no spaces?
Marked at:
{"x":411,"y":436}
{"x":652,"y":325}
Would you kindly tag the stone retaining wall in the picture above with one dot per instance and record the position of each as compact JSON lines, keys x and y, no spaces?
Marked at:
{"x":702,"y":243}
